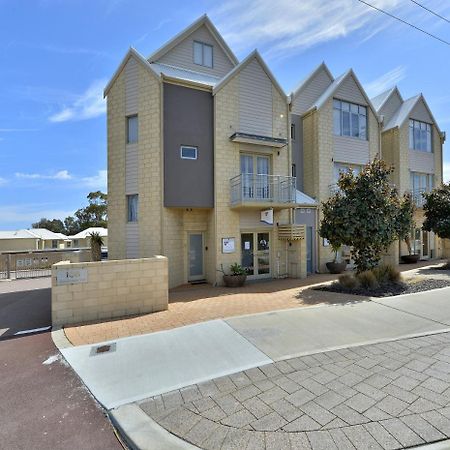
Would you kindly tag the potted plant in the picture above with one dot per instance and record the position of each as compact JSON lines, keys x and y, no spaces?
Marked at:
{"x":410,"y":258}
{"x":335,"y":266}
{"x":236,"y":277}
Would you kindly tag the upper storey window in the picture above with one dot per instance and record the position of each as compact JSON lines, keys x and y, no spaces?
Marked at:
{"x":419,"y":136}
{"x":349,"y":119}
{"x":203,"y":54}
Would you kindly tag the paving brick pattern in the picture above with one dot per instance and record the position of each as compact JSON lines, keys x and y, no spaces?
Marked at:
{"x":381,"y":396}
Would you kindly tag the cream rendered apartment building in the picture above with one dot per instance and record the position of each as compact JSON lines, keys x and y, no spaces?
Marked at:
{"x":334,"y":127}
{"x":413,"y":143}
{"x":199,"y":162}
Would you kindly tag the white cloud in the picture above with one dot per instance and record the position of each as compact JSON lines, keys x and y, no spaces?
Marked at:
{"x":3,"y":181}
{"x":26,"y":214}
{"x":98,"y":181}
{"x":310,"y":22}
{"x":88,"y":105}
{"x":446,"y":172}
{"x":61,"y":175}
{"x":385,"y":81}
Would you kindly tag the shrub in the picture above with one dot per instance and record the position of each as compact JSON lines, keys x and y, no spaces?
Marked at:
{"x":386,"y":273}
{"x":348,"y":281}
{"x":367,"y":279}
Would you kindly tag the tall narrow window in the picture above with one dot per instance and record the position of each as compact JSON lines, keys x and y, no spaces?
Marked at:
{"x":420,"y":136}
{"x":132,"y":208}
{"x":293,"y":131}
{"x":349,"y":119}
{"x":203,"y":54}
{"x":294,"y":170}
{"x":132,"y":129}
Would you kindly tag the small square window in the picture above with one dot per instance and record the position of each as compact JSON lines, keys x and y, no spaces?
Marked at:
{"x":188,"y":152}
{"x":132,"y":208}
{"x":132,"y":129}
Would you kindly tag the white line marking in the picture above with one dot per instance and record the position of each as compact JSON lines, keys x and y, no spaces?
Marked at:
{"x":34,"y":330}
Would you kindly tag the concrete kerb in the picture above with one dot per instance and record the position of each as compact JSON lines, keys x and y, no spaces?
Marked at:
{"x":441,"y":445}
{"x":140,"y":432}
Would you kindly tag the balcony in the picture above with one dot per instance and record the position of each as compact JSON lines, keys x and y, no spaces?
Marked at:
{"x":418,"y":198}
{"x":262,"y":191}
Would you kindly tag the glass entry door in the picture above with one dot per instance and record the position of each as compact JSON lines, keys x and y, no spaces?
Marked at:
{"x":255,"y":171}
{"x":195,"y":257}
{"x":255,"y":251}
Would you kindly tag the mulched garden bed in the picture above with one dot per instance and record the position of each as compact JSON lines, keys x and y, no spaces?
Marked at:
{"x":388,"y":290}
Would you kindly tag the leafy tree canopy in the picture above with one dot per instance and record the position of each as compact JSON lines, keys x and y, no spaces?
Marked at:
{"x":437,"y":211}
{"x":95,"y":214}
{"x":366,"y":214}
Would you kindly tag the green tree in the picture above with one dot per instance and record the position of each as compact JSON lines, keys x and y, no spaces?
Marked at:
{"x":437,"y":212}
{"x":54,"y":225}
{"x":95,"y":214}
{"x":71,"y":225}
{"x":367,"y":214}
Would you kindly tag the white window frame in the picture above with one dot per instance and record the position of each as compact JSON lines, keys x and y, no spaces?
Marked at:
{"x":189,"y":147}
{"x":203,"y":44}
{"x":421,"y":126}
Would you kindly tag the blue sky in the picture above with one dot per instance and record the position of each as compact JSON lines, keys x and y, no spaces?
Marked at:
{"x":57,"y":55}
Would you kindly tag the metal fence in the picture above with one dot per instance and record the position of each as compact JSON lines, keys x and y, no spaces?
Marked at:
{"x":38,"y":263}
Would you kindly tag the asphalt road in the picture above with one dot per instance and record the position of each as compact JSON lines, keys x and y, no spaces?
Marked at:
{"x":43,"y":404}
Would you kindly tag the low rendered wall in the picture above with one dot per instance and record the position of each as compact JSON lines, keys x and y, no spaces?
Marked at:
{"x":84,"y":292}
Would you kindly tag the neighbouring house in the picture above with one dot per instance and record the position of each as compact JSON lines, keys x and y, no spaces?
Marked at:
{"x":83,"y":238}
{"x":200,"y":162}
{"x":413,"y":142}
{"x":334,"y":128}
{"x":33,"y":239}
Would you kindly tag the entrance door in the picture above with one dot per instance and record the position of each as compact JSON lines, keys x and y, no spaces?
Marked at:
{"x":309,"y":249}
{"x":195,"y":257}
{"x":425,"y":244}
{"x":255,"y":251}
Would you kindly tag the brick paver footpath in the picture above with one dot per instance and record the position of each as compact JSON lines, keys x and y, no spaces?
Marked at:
{"x":381,"y":396}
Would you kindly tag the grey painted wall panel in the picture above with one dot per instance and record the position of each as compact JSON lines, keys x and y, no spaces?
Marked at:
{"x":351,"y":150}
{"x":182,"y":54}
{"x":255,"y":101}
{"x":390,"y":107}
{"x":188,"y":120}
{"x":131,"y":87}
{"x":311,"y":92}
{"x":350,"y":92}
{"x":421,"y":113}
{"x":421,"y":161}
{"x":132,"y":239}
{"x":297,"y":149}
{"x":131,"y":168}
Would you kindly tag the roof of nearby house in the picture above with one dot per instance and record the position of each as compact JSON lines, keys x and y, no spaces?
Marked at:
{"x":203,"y":20}
{"x":190,"y":76}
{"x":17,"y":234}
{"x":103,"y":232}
{"x":309,"y":77}
{"x":379,"y":101}
{"x":244,"y":63}
{"x":45,"y":234}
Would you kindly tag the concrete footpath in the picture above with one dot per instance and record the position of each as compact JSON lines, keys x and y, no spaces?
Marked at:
{"x":122,"y":374}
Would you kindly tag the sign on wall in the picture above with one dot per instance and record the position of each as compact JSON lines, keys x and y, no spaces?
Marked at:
{"x":71,"y":276}
{"x":267,"y":216}
{"x":228,"y":245}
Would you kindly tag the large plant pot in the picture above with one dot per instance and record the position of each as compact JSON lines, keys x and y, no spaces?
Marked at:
{"x":410,"y":259}
{"x":336,"y":267}
{"x":234,"y":280}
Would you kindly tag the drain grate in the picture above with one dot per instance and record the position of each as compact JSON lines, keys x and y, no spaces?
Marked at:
{"x":102,"y":349}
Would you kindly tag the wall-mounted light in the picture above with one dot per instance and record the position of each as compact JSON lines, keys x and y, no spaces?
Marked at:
{"x":281,"y":115}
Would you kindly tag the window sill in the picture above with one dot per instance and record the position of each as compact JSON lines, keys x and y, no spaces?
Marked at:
{"x":350,"y":137}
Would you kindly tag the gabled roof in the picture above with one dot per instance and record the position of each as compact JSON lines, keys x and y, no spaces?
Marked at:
{"x":103,"y":232}
{"x":244,"y":63}
{"x":18,"y":234}
{"x":402,"y":113}
{"x":45,"y":234}
{"x":381,"y":99}
{"x":312,"y":75}
{"x":190,"y":76}
{"x":139,"y":58}
{"x":336,"y":85}
{"x":203,"y":20}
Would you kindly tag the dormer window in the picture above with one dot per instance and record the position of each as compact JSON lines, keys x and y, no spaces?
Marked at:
{"x":203,"y":54}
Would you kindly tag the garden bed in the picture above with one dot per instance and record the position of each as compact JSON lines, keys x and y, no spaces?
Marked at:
{"x":388,"y":289}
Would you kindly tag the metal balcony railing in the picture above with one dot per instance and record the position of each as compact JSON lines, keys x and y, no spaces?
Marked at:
{"x":252,"y":188}
{"x":417,"y":196}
